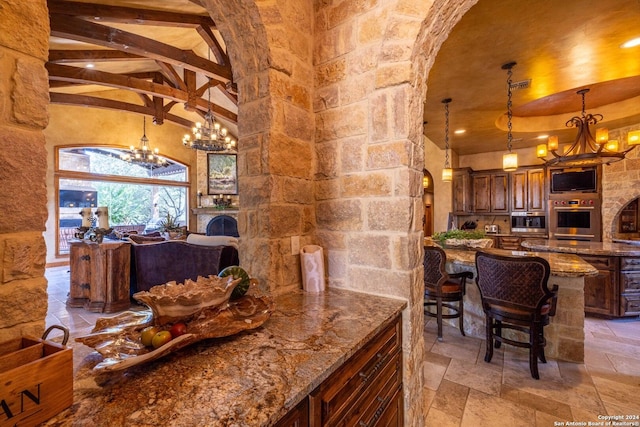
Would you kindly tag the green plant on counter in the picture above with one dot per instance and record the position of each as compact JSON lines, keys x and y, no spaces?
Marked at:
{"x":442,"y":236}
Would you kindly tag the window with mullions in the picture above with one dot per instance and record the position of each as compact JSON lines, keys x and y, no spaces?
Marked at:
{"x":138,"y":197}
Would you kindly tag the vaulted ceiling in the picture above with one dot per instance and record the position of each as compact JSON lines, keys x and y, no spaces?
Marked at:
{"x":163,"y":59}
{"x":559,"y":47}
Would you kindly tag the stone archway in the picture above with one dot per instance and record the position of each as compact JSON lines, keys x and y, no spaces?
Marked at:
{"x":272,"y":66}
{"x":353,"y":183}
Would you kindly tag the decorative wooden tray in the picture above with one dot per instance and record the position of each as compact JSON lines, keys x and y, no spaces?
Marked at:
{"x":117,"y":338}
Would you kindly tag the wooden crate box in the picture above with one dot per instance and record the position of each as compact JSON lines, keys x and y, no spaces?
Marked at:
{"x":36,"y":381}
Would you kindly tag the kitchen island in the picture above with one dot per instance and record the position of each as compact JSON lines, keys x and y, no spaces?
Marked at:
{"x":565,"y":332}
{"x":253,"y":378}
{"x":615,"y":290}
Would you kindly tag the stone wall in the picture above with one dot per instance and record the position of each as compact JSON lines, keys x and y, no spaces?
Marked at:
{"x":24,"y":97}
{"x":620,"y":185}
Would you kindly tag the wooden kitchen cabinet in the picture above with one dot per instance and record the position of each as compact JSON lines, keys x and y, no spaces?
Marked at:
{"x":490,"y":192}
{"x":367,"y":389}
{"x":629,"y":218}
{"x":528,"y":192}
{"x":601,"y":292}
{"x":630,"y":286}
{"x":297,"y":417}
{"x":461,"y":187}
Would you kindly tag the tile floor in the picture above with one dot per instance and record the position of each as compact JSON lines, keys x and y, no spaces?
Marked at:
{"x":463,"y":390}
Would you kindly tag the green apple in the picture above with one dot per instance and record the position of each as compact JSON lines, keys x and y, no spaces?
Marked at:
{"x":161,"y":338}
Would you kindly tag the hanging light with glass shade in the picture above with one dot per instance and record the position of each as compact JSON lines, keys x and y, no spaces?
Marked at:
{"x":447,"y":172}
{"x":510,"y":159}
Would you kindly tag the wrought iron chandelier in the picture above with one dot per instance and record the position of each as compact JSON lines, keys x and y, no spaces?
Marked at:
{"x":587,"y":150}
{"x":210,"y":135}
{"x":145,"y":156}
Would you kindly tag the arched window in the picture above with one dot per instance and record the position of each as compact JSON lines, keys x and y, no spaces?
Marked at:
{"x":138,"y":196}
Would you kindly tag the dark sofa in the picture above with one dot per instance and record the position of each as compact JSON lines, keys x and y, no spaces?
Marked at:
{"x":161,"y":262}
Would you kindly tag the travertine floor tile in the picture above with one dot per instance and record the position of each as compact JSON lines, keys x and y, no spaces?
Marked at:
{"x":556,"y":410}
{"x":433,"y":374}
{"x":436,"y":417}
{"x":486,"y":410}
{"x":484,"y":377}
{"x":619,"y":394}
{"x":451,"y":398}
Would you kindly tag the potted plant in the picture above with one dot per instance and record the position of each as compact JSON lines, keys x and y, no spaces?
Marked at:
{"x":171,"y":226}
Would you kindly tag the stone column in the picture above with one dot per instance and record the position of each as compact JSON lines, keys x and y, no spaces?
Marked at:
{"x":24,"y":99}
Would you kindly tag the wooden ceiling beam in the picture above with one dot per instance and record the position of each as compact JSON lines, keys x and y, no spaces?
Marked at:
{"x":81,"y":75}
{"x":100,"y":35}
{"x":110,"y":104}
{"x":171,"y":75}
{"x":128,"y":15}
{"x":211,"y":40}
{"x":90,"y":55}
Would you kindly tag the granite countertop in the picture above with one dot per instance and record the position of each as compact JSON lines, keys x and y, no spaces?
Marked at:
{"x":253,"y":378}
{"x":563,"y":265}
{"x":583,"y":248}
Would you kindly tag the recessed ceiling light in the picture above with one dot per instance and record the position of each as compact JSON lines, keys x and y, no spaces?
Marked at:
{"x":631,"y":43}
{"x":459,"y":131}
{"x":89,"y":66}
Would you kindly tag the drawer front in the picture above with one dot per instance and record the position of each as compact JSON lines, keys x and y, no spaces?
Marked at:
{"x":297,"y":417}
{"x":374,"y":401}
{"x":630,"y":263}
{"x":337,"y":395}
{"x":630,"y":305}
{"x":599,"y":262}
{"x":630,"y":281}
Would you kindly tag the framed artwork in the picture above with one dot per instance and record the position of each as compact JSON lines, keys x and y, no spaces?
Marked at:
{"x":222,"y":173}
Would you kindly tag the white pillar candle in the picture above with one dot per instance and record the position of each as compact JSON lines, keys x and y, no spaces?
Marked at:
{"x":86,"y":217}
{"x":103,"y":217}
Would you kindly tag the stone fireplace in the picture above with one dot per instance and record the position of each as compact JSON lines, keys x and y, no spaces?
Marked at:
{"x":207,"y":214}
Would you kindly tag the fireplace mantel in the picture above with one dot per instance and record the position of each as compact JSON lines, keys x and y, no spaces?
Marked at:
{"x":212,"y":210}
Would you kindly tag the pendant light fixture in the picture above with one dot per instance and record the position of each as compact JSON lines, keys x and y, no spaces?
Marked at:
{"x":587,"y":150}
{"x":210,"y":135}
{"x":509,"y":160}
{"x":447,"y":172}
{"x":145,"y":156}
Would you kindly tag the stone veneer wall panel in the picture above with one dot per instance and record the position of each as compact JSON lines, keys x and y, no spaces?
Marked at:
{"x":24,"y":98}
{"x":620,"y":185}
{"x":270,"y":49}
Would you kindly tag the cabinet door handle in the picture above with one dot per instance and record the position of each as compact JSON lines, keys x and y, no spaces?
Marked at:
{"x":85,"y":258}
{"x":381,"y":361}
{"x":378,"y":413}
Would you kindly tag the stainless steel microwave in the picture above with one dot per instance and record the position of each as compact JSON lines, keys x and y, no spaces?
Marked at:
{"x":574,"y":180}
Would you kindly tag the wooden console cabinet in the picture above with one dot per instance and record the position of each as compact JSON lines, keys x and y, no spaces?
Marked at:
{"x":366,"y":390}
{"x":99,"y":276}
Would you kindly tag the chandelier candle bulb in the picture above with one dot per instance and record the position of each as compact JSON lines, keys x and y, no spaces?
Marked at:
{"x":633,"y":137}
{"x":542,"y":150}
{"x":612,"y":145}
{"x":602,"y":136}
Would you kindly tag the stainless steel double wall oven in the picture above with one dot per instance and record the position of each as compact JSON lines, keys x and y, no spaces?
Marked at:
{"x":575,"y":204}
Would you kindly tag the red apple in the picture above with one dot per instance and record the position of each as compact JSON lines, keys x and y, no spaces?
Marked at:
{"x":178,"y":329}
